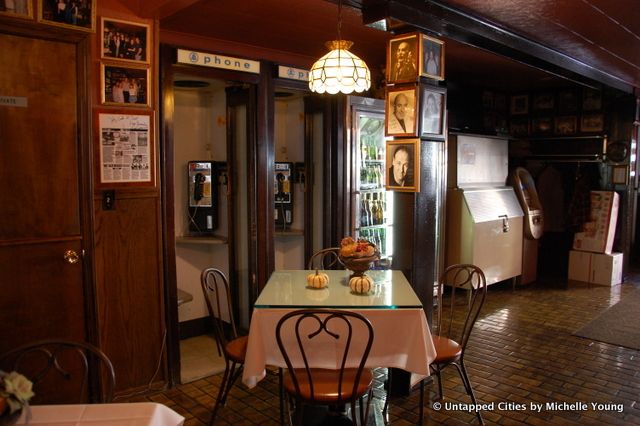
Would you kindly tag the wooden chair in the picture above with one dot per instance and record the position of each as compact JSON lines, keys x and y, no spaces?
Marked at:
{"x":350,"y":334}
{"x":454,"y":321}
{"x":325,"y":259}
{"x":217,"y":294}
{"x":60,"y":371}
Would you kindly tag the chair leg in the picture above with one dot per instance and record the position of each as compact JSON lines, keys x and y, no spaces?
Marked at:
{"x":386,"y":402}
{"x":467,"y":385}
{"x":421,"y":403}
{"x":222,"y":393}
{"x":439,"y":376}
{"x":281,"y":394}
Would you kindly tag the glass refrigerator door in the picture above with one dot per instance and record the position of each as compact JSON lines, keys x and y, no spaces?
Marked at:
{"x":374,"y":203}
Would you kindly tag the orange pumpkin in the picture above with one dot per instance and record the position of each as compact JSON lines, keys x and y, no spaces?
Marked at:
{"x":317,"y":280}
{"x":360,"y":284}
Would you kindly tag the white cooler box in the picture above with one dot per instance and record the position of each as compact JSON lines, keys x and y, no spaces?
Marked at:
{"x":595,"y":268}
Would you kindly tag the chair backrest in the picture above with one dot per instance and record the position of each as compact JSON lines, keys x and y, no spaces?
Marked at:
{"x":324,"y":339}
{"x":60,"y":371}
{"x":458,"y":311}
{"x":325,"y":259}
{"x":217,"y":294}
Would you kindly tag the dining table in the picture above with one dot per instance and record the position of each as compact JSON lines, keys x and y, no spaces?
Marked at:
{"x":402,"y":338}
{"x":130,"y":414}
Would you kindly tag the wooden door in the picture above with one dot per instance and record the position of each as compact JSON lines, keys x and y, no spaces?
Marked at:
{"x":41,"y":287}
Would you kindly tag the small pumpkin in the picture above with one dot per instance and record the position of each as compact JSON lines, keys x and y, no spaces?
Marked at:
{"x":318,"y":280}
{"x":360,"y":284}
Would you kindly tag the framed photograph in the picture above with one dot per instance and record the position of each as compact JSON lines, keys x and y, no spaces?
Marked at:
{"x":519,"y":127}
{"x":500,"y":102}
{"x":431,"y":57}
{"x":591,"y":99}
{"x":592,"y":123}
{"x":432,"y":112}
{"x":126,"y":154}
{"x":619,"y":175}
{"x":403,"y":165}
{"x":400,"y":119}
{"x":567,"y":102}
{"x":17,"y":8}
{"x":519,"y":104}
{"x":125,"y":85}
{"x":545,"y":101}
{"x":542,"y":125}
{"x":566,"y":125}
{"x":78,"y":14}
{"x":402,"y":58}
{"x":126,"y":41}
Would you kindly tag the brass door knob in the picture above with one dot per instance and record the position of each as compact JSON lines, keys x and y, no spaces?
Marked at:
{"x":71,"y":256}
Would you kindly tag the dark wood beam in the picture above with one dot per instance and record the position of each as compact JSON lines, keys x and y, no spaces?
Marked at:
{"x":159,"y":9}
{"x":438,"y":18}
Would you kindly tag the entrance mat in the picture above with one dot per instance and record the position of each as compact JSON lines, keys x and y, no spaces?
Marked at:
{"x":619,"y":325}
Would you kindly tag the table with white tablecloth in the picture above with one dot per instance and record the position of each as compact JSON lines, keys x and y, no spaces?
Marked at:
{"x":130,"y":414}
{"x":402,"y":338}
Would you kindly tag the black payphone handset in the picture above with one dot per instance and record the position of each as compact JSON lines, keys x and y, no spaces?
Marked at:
{"x":198,"y":186}
{"x":283,"y":194}
{"x":280,"y":193}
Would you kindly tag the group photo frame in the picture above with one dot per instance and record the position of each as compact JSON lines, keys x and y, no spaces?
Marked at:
{"x":403,"y":54}
{"x":433,"y":109}
{"x":402,"y":106}
{"x":431,"y":57}
{"x":77,"y":14}
{"x":125,"y":85}
{"x":17,"y":8}
{"x":124,"y":41}
{"x":402,"y":164}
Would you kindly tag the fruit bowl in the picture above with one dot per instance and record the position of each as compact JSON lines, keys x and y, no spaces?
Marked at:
{"x":357,"y":256}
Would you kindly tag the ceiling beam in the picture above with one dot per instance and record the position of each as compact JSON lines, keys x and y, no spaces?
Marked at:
{"x":436,"y":17}
{"x":160,"y":9}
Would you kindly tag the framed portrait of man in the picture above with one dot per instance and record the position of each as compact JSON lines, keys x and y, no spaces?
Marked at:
{"x":400,"y":118}
{"x":432,"y":113}
{"x":431,"y":57}
{"x":403,"y":165}
{"x":402,"y":58}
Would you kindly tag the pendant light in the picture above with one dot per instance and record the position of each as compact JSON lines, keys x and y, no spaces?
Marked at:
{"x":339,"y":70}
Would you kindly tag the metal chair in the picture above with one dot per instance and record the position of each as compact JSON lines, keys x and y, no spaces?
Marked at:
{"x":325,"y":259}
{"x":454,"y":322}
{"x":60,"y":371}
{"x":309,"y":380}
{"x":217,"y":294}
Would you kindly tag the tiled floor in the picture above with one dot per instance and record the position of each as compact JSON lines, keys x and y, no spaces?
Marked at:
{"x":522,"y":352}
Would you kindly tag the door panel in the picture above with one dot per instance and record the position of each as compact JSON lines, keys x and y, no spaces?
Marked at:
{"x":42,"y":293}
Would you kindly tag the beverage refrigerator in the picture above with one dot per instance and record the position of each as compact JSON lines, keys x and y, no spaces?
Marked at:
{"x":371,"y":204}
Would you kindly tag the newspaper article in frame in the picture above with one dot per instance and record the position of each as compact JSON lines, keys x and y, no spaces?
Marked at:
{"x":125,"y":148}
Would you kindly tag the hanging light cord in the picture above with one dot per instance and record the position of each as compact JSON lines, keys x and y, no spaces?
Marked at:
{"x":339,"y":19}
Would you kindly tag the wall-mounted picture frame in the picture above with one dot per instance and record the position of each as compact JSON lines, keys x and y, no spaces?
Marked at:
{"x":17,"y":9}
{"x":567,"y":102}
{"x":403,"y":165}
{"x":125,"y":85}
{"x":591,"y":99}
{"x":590,"y":123}
{"x":542,"y":125}
{"x":124,"y":40}
{"x":566,"y":125}
{"x":403,"y":54}
{"x":519,"y":127}
{"x":126,"y":151}
{"x":402,"y":106}
{"x":519,"y":104}
{"x":433,"y":107}
{"x":431,"y":57}
{"x":543,"y":102}
{"x":619,"y":174}
{"x":77,"y":14}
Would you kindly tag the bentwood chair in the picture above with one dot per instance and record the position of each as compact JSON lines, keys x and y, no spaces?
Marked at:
{"x":217,"y":294}
{"x":303,"y":336}
{"x":61,"y":371}
{"x":454,"y":321}
{"x":325,"y":259}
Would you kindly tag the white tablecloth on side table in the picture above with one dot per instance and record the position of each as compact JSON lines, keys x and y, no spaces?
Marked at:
{"x":130,"y":414}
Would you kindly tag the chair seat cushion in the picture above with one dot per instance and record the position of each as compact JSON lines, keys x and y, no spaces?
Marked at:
{"x":325,"y":384}
{"x":236,"y":349}
{"x":447,"y":350}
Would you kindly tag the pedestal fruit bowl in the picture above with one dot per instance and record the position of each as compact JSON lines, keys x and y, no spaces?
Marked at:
{"x":357,"y":256}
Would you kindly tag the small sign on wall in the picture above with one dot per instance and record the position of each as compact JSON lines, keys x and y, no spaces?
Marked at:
{"x":218,"y":61}
{"x":13,"y":101}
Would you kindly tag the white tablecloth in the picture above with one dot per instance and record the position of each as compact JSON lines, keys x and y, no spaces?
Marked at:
{"x":401,"y":340}
{"x":130,"y":414}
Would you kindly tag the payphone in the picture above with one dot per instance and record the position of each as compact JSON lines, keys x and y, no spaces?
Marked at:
{"x":203,"y":197}
{"x":283,"y":190}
